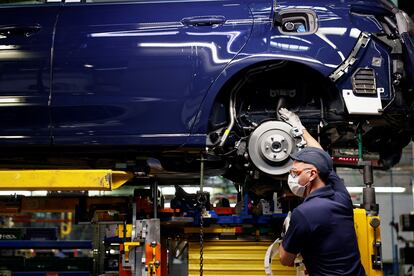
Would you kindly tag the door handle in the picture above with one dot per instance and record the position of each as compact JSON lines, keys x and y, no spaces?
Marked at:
{"x":20,"y":30}
{"x":204,"y":20}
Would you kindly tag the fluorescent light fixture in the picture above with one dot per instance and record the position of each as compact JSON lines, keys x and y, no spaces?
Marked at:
{"x":358,"y":190}
{"x":12,"y":193}
{"x":190,"y":190}
{"x":96,"y":193}
{"x":23,"y":193}
{"x":39,"y":193}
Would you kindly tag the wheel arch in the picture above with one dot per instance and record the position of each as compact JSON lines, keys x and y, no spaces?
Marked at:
{"x":236,"y":71}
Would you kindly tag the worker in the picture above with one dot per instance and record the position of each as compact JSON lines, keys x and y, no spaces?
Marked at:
{"x":321,"y":229}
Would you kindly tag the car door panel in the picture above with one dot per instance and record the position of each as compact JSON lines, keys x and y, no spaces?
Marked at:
{"x":137,"y":72}
{"x":25,"y":45}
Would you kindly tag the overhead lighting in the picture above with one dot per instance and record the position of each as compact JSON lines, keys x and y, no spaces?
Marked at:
{"x":356,"y":190}
{"x":188,"y":189}
{"x":23,"y":193}
{"x":12,"y":193}
{"x":96,"y":193}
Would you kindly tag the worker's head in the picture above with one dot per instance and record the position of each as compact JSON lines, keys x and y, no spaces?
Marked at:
{"x":311,"y":165}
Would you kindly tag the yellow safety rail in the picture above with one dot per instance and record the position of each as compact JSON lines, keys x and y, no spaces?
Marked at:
{"x":63,"y":180}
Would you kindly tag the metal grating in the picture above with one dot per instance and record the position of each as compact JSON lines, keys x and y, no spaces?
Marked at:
{"x":363,"y":82}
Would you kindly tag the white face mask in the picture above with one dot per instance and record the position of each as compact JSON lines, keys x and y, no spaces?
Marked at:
{"x":295,"y":187}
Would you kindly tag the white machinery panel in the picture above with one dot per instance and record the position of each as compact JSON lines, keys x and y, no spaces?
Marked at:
{"x":362,"y":105}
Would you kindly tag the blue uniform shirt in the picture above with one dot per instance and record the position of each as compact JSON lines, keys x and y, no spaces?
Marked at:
{"x":322,"y":230}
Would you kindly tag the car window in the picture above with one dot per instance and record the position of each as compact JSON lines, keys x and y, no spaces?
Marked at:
{"x":21,"y":2}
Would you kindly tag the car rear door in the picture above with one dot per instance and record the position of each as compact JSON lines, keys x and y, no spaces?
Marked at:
{"x":136,"y":72}
{"x":26,"y":32}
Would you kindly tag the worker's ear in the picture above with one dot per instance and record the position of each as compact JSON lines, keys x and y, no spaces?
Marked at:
{"x":314,"y":174}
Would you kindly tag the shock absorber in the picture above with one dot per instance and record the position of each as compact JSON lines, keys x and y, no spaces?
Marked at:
{"x":368,"y":192}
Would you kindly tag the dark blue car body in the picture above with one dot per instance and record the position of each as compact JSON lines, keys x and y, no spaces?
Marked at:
{"x":159,"y":73}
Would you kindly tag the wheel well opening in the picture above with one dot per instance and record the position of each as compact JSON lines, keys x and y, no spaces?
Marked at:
{"x":263,"y":88}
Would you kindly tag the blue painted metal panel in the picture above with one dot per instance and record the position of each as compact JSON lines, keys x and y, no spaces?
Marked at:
{"x":25,"y":244}
{"x":136,"y":73}
{"x":25,"y":43}
{"x":240,"y":219}
{"x":382,"y":71}
{"x":68,"y":273}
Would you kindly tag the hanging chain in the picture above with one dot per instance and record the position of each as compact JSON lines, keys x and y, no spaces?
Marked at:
{"x":201,"y":200}
{"x":201,"y":240}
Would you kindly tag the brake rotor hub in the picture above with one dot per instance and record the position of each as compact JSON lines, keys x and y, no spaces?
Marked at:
{"x":270,"y":145}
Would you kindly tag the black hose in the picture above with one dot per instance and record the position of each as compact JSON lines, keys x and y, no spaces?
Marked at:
{"x":280,"y":103}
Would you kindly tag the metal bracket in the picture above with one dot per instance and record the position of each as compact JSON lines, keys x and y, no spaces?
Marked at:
{"x":362,"y":42}
{"x":127,"y":248}
{"x":376,"y":258}
{"x":297,"y":133}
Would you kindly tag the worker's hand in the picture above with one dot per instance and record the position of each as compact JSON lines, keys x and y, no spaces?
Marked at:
{"x":286,"y":224}
{"x":291,"y":118}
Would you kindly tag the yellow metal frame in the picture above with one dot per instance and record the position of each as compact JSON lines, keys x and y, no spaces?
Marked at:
{"x":211,"y":230}
{"x":66,"y":227}
{"x":127,"y":230}
{"x":63,"y":180}
{"x":365,"y":236}
{"x":128,"y":246}
{"x":230,"y":258}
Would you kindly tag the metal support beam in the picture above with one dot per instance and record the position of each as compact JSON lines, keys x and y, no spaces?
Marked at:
{"x":11,"y":204}
{"x":33,"y":244}
{"x":98,"y":248}
{"x":63,"y":180}
{"x":154,"y":186}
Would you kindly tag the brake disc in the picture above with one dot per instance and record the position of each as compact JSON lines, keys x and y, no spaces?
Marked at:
{"x":270,"y":145}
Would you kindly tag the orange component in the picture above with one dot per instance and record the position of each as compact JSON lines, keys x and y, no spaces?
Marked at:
{"x":121,"y":270}
{"x":238,"y":229}
{"x":153,"y":259}
{"x":169,"y":210}
{"x":224,"y":210}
